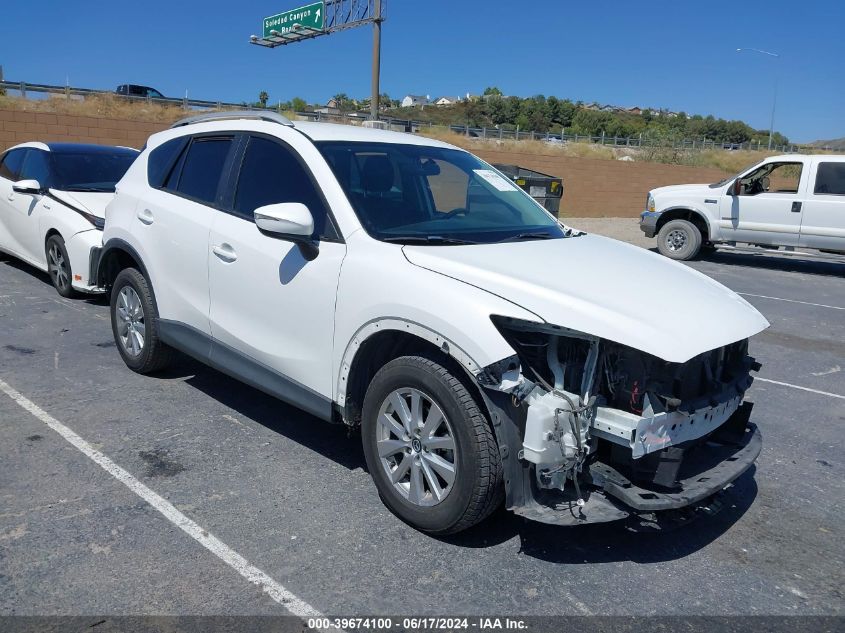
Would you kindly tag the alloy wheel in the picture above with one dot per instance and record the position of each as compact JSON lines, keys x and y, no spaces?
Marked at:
{"x":57,"y":267}
{"x":416,"y":446}
{"x":130,"y":315}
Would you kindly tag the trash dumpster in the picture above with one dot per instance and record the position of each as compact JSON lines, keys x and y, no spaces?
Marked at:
{"x":545,"y":189}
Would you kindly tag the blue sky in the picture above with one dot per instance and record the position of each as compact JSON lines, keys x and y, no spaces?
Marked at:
{"x":679,"y":55}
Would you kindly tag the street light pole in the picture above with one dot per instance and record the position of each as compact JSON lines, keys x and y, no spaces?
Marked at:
{"x":374,"y":98}
{"x":775,"y":99}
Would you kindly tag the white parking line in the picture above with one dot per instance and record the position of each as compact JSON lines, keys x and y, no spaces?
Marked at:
{"x":271,"y":587}
{"x":806,"y":303}
{"x":786,"y":384}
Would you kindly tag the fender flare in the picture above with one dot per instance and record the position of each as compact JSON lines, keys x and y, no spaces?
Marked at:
{"x":117,"y":244}
{"x":693,"y":210}
{"x":370,"y":328}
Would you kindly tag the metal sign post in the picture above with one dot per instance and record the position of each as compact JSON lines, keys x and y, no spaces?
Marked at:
{"x":324,"y":18}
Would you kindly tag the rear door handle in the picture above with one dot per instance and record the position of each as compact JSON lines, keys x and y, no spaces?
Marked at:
{"x":11,"y":197}
{"x":796,"y":207}
{"x":146,"y":216}
{"x":225,"y":252}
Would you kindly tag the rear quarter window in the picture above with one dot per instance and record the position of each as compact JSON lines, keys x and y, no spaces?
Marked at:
{"x":162,"y":159}
{"x":830,"y":179}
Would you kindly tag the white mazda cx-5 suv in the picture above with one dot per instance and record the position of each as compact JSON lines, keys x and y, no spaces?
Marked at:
{"x":401,"y":285}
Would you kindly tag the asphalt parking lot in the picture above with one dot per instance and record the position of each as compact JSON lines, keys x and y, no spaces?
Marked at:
{"x":291,"y":496}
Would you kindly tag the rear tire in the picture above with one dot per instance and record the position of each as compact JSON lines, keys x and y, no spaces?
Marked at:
{"x":679,"y":239}
{"x":58,"y":267}
{"x":134,"y":321}
{"x":412,"y":445}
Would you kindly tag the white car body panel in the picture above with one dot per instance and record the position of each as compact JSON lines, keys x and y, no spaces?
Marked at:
{"x":458,"y":313}
{"x":609,"y":295}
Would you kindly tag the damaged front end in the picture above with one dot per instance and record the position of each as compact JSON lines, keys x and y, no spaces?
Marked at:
{"x":592,"y":430}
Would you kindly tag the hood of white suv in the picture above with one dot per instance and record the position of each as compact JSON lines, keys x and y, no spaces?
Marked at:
{"x":606,"y":288}
{"x":93,"y":202}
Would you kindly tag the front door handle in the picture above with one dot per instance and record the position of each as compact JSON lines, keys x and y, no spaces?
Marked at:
{"x":796,"y":207}
{"x":11,"y":197}
{"x":146,"y":216}
{"x":225,"y":252}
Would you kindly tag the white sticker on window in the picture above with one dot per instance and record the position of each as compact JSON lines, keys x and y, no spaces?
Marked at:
{"x":501,"y":184}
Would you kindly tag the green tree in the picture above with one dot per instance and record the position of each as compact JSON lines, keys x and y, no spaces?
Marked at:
{"x":492,"y":91}
{"x":344,"y":102}
{"x":263,"y":97}
{"x":297,"y":104}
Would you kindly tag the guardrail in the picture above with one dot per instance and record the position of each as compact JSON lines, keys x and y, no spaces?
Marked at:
{"x":24,"y":90}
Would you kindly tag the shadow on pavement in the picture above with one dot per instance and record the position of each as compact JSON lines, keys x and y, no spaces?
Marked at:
{"x":770,"y":260}
{"x":331,"y":440}
{"x":610,"y":542}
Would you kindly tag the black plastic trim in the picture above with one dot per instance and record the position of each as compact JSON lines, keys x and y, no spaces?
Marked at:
{"x":244,"y":368}
{"x":694,"y":489}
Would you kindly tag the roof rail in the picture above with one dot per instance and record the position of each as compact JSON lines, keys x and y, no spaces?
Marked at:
{"x":271,"y":117}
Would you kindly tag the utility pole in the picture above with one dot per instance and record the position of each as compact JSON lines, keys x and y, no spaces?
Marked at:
{"x":374,"y":100}
{"x":775,"y":99}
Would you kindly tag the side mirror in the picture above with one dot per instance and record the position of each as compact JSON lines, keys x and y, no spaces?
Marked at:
{"x":27,"y":186}
{"x":292,"y":220}
{"x":736,"y":187}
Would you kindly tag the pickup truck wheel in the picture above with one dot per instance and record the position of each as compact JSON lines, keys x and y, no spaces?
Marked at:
{"x":134,"y":321}
{"x":679,"y":239}
{"x":429,"y":449}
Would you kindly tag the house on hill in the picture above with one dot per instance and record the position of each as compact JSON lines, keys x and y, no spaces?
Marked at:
{"x":442,"y":101}
{"x":413,"y":101}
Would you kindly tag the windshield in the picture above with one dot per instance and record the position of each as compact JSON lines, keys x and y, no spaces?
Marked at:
{"x":423,"y":194}
{"x":722,"y":183}
{"x":90,"y":172}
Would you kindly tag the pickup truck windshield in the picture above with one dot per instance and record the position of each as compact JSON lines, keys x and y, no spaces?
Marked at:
{"x":431,"y":195}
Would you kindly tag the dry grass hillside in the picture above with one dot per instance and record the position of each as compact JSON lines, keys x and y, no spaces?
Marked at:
{"x":728,"y":161}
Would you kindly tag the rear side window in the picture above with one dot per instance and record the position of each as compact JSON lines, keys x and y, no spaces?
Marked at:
{"x":271,"y":173}
{"x":201,"y":169}
{"x":10,"y":168}
{"x":36,"y":166}
{"x":830,"y":179}
{"x":162,"y":158}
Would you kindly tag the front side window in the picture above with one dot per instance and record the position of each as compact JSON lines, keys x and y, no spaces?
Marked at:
{"x":773,"y":178}
{"x":89,"y":171}
{"x":418,"y":193}
{"x":10,"y":168}
{"x":272,"y":174}
{"x":830,"y":179}
{"x":36,"y":166}
{"x":201,"y":169}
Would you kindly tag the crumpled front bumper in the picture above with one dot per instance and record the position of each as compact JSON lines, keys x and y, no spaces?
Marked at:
{"x":731,"y":461}
{"x":607,"y":494}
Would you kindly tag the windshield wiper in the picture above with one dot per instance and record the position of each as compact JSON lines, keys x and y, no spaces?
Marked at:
{"x":528,"y":236}
{"x":426,"y":239}
{"x":89,"y":189}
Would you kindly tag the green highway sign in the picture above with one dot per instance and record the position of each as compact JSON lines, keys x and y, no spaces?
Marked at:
{"x":311,"y":16}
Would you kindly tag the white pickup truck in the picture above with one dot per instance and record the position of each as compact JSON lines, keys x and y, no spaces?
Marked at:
{"x":784,"y":201}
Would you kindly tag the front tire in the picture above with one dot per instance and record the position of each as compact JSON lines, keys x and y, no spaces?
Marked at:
{"x":679,"y":239}
{"x":134,"y":321}
{"x":58,"y":266}
{"x":430,"y":450}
